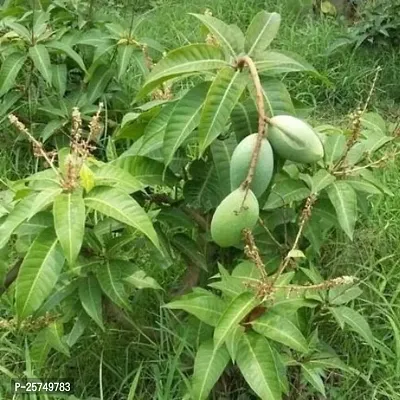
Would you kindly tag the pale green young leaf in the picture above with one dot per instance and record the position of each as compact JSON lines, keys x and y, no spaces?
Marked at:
{"x":282,"y":330}
{"x":209,"y":364}
{"x":9,"y":71}
{"x":43,"y":200}
{"x":86,"y":176}
{"x":81,"y":323}
{"x":261,"y":32}
{"x":19,"y":29}
{"x":119,"y":205}
{"x":124,"y":55}
{"x":184,"y":119}
{"x":69,"y":222}
{"x":275,"y":62}
{"x":230,"y":39}
{"x":140,"y":280}
{"x":312,"y":376}
{"x":285,"y":192}
{"x":38,"y":273}
{"x":68,"y":50}
{"x":238,"y":308}
{"x":193,"y":58}
{"x":222,"y":97}
{"x":90,"y":297}
{"x":344,"y":200}
{"x":41,"y":60}
{"x":256,"y":362}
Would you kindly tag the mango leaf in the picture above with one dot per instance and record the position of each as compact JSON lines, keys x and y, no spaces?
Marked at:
{"x":320,"y":180}
{"x":110,"y":278}
{"x":368,"y":176}
{"x":256,"y":361}
{"x":81,"y":323}
{"x":38,"y":273}
{"x":41,"y":60}
{"x":344,"y":200}
{"x":261,"y":32}
{"x":36,"y":224}
{"x":335,"y":147}
{"x":59,"y":78}
{"x":190,"y":250}
{"x":9,"y":71}
{"x":282,"y":330}
{"x":66,"y":49}
{"x":312,"y":376}
{"x":209,"y":364}
{"x":124,"y":56}
{"x":239,"y":307}
{"x":90,"y":297}
{"x":207,"y":308}
{"x":54,"y":334}
{"x":98,"y":83}
{"x":222,"y":96}
{"x":141,"y":280}
{"x":119,"y":205}
{"x":233,"y":341}
{"x":193,"y":58}
{"x":184,"y":119}
{"x":244,"y":118}
{"x":374,"y":122}
{"x":357,"y":323}
{"x":43,"y":200}
{"x":140,"y":62}
{"x":343,"y":294}
{"x":19,"y":29}
{"x":230,"y":39}
{"x":362,"y":185}
{"x":285,"y":192}
{"x":40,"y":349}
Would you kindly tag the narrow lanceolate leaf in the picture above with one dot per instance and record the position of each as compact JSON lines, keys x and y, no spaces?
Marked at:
{"x":69,"y":223}
{"x":281,"y":329}
{"x":9,"y":71}
{"x":222,"y":97}
{"x":256,"y":362}
{"x":209,"y":365}
{"x":66,"y":49}
{"x":184,"y":119}
{"x":207,"y":308}
{"x":90,"y":296}
{"x":274,"y":62}
{"x":321,"y":180}
{"x":59,"y":79}
{"x":124,"y":57}
{"x":312,"y":376}
{"x":344,"y":200}
{"x":239,"y":307}
{"x":111,"y":281}
{"x":98,"y":83}
{"x":119,"y":205}
{"x":78,"y":329}
{"x":43,"y":200}
{"x":38,"y":273}
{"x":230,"y":39}
{"x":244,"y":118}
{"x":335,"y":147}
{"x":41,"y":60}
{"x":261,"y":32}
{"x":285,"y":192}
{"x":140,"y":280}
{"x":193,"y":58}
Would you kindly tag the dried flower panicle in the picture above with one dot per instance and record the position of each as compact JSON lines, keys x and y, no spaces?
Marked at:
{"x":30,"y":324}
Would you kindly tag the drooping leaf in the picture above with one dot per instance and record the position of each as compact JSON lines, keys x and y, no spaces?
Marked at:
{"x":334,"y":147}
{"x":81,"y":323}
{"x":261,"y":32}
{"x":141,"y":280}
{"x":362,"y":185}
{"x":59,"y":78}
{"x":69,"y":222}
{"x":190,"y":250}
{"x":9,"y":71}
{"x":256,"y":362}
{"x":119,"y":205}
{"x":38,"y":273}
{"x":40,"y":349}
{"x":183,"y":120}
{"x":239,"y":307}
{"x":124,"y":56}
{"x":312,"y":376}
{"x":193,"y":58}
{"x":90,"y":297}
{"x":285,"y":192}
{"x":344,"y":200}
{"x":54,"y":334}
{"x":41,"y":59}
{"x":98,"y":83}
{"x":343,"y":294}
{"x":245,"y":118}
{"x":221,"y":98}
{"x":43,"y":200}
{"x":209,"y":364}
{"x":66,"y":49}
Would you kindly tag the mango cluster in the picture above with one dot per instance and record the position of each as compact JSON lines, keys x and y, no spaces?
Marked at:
{"x":290,"y":138}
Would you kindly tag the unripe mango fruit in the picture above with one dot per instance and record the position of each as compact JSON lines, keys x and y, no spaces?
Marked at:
{"x":232,"y":216}
{"x":240,"y":163}
{"x":294,"y":139}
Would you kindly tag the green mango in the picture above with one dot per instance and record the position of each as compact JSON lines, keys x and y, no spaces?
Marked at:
{"x":232,"y":216}
{"x":240,"y":163}
{"x":294,"y":139}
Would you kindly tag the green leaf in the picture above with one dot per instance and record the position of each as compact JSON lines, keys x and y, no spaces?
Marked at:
{"x":209,"y":364}
{"x":231,"y":39}
{"x":256,"y":362}
{"x":368,"y":176}
{"x":334,"y":147}
{"x":9,"y":71}
{"x":239,"y":307}
{"x":59,"y":79}
{"x":361,"y":185}
{"x":207,"y":308}
{"x":277,"y":100}
{"x":184,"y":119}
{"x":193,"y":58}
{"x":285,"y":192}
{"x":344,"y":200}
{"x":190,"y":250}
{"x":343,"y":294}
{"x":66,"y":49}
{"x":124,"y":56}
{"x":357,"y":323}
{"x":69,"y":223}
{"x":222,"y":97}
{"x":321,"y":180}
{"x":90,"y":296}
{"x":244,"y":118}
{"x":312,"y":376}
{"x":19,"y":29}
{"x":41,"y":60}
{"x":261,"y":32}
{"x":36,"y":224}
{"x":119,"y":205}
{"x":111,"y":281}
{"x":98,"y":83}
{"x":275,"y":62}
{"x":141,"y":280}
{"x":77,"y":330}
{"x":54,"y":334}
{"x":282,"y":330}
{"x":40,"y":349}
{"x":38,"y":273}
{"x":374,"y":122}
{"x":42,"y":201}
{"x":233,"y":341}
